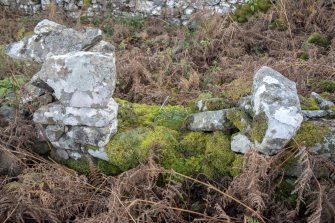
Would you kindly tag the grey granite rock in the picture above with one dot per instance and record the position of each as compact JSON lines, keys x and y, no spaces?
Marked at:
{"x":323,"y":103}
{"x":276,"y":96}
{"x":57,"y":114}
{"x":208,"y":121}
{"x":80,"y":79}
{"x":53,"y":39}
{"x":240,"y":143}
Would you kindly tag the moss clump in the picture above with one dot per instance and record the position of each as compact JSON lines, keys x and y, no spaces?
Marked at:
{"x":317,"y":39}
{"x":81,"y":165}
{"x":239,"y":119}
{"x":10,"y":84}
{"x":132,"y":115}
{"x":128,"y":149}
{"x":209,"y":153}
{"x":278,"y":24}
{"x":91,"y":147}
{"x":123,"y":148}
{"x":237,"y":89}
{"x":213,"y":104}
{"x":245,"y":10}
{"x":310,"y":134}
{"x":108,"y":168}
{"x":218,"y":156}
{"x":327,"y":86}
{"x":260,"y":125}
{"x":308,"y":103}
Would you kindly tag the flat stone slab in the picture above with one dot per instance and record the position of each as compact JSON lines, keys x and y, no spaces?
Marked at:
{"x":57,"y":114}
{"x":208,"y":121}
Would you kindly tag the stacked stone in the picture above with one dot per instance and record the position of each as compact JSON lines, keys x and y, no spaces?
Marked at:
{"x":178,"y":11}
{"x":78,"y":70}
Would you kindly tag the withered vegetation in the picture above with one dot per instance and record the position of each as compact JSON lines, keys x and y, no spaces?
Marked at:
{"x":156,"y":60}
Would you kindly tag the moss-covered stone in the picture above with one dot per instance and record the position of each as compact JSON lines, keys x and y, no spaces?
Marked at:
{"x":239,"y":119}
{"x":308,"y":103}
{"x":81,"y":165}
{"x":259,"y":127}
{"x":209,"y":153}
{"x":317,"y":39}
{"x":123,"y":148}
{"x":213,"y":104}
{"x":310,"y":134}
{"x":132,"y":115}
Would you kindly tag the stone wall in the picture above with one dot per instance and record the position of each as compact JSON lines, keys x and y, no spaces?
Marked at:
{"x":179,"y":11}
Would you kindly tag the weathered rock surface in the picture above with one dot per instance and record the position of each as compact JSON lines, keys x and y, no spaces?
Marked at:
{"x":326,"y":146}
{"x":80,"y":79}
{"x":208,"y":121}
{"x":316,"y":114}
{"x":240,"y":143}
{"x":213,"y":104}
{"x":56,"y":113}
{"x":76,"y":86}
{"x":323,"y":103}
{"x":53,"y":39}
{"x":276,"y":96}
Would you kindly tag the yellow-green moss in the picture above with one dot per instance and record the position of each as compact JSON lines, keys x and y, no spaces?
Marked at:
{"x":239,"y":119}
{"x":317,"y":39}
{"x":327,"y":86}
{"x":308,"y":103}
{"x":123,"y":148}
{"x":310,"y":134}
{"x":193,"y":143}
{"x":209,"y":153}
{"x":214,"y":104}
{"x":259,"y":127}
{"x":91,"y":147}
{"x":218,"y":155}
{"x":10,"y":84}
{"x":236,"y":89}
{"x":108,"y":168}
{"x":132,"y":115}
{"x":245,"y":10}
{"x":81,"y":165}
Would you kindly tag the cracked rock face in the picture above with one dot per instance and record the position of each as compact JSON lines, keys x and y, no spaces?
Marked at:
{"x":81,"y":84}
{"x":276,"y":96}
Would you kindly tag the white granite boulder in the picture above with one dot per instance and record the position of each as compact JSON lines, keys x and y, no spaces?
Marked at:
{"x":275,"y":98}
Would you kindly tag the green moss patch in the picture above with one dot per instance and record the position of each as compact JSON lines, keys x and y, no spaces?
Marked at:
{"x":11,"y":85}
{"x":259,"y":127}
{"x":132,"y":115}
{"x":81,"y":165}
{"x":327,"y":86}
{"x":308,"y":103}
{"x":317,"y":39}
{"x":239,"y":119}
{"x":310,"y":134}
{"x":246,"y":10}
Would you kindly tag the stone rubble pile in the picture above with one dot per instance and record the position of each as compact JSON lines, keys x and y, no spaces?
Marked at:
{"x":268,"y":119}
{"x":78,"y":71}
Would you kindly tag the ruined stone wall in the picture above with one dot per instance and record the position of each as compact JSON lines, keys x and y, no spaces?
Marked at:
{"x":179,"y":11}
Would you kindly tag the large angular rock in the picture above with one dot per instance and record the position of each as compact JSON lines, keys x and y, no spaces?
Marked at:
{"x":275,"y":97}
{"x":79,"y":79}
{"x":57,"y":114}
{"x":208,"y":121}
{"x":53,"y":39}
